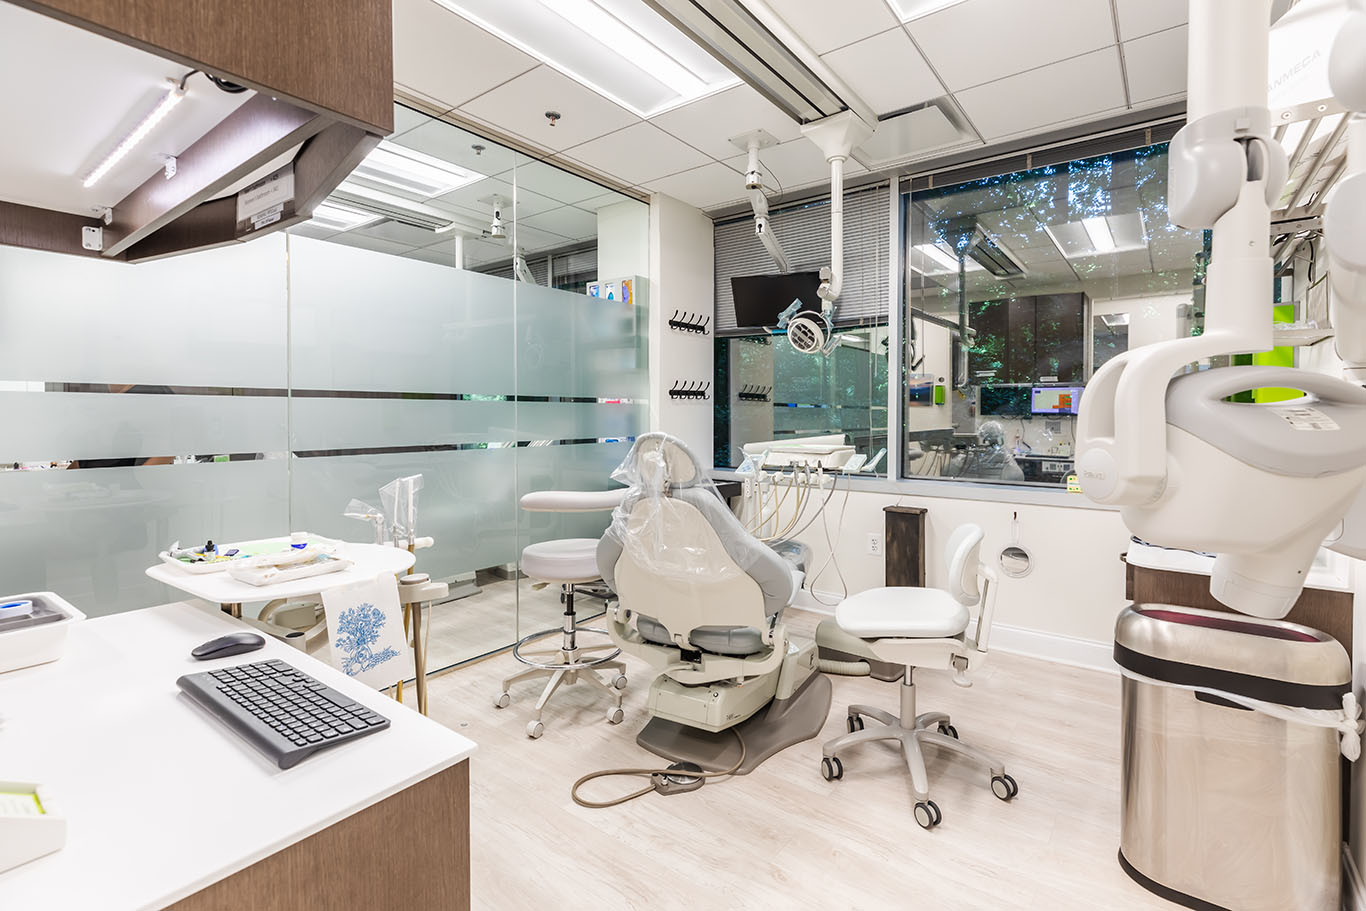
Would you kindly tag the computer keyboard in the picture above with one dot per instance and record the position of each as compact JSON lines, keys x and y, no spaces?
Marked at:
{"x":280,"y":710}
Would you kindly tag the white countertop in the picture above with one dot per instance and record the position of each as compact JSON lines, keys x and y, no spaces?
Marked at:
{"x":160,"y":798}
{"x":1330,"y":572}
{"x":369,"y":561}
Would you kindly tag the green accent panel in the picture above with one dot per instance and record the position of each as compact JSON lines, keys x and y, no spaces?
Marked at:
{"x":1282,"y":356}
{"x":939,"y":395}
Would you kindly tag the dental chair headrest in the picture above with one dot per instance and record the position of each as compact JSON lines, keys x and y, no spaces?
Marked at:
{"x":658,"y":458}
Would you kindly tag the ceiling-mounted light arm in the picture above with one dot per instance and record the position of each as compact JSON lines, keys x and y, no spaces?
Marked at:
{"x":837,"y":137}
{"x":754,"y":183}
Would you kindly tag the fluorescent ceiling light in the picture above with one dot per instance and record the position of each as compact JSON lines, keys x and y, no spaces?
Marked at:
{"x":942,"y":257}
{"x":172,"y":98}
{"x":621,"y":49}
{"x":412,"y":172}
{"x":1102,"y":241}
{"x":906,"y":10}
{"x":342,"y":218}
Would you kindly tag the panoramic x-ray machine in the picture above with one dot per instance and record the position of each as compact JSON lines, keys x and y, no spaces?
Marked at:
{"x":1260,"y":485}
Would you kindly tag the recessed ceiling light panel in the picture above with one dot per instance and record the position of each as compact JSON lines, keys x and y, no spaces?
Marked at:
{"x":906,"y":10}
{"x":620,"y":49}
{"x":411,"y":173}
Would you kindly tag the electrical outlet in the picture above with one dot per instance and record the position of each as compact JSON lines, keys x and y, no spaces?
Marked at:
{"x":874,"y":544}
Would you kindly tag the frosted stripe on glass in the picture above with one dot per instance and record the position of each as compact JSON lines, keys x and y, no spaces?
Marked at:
{"x":71,"y":425}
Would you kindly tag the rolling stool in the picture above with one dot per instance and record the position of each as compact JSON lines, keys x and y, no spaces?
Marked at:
{"x":568,"y":562}
{"x":918,"y":628}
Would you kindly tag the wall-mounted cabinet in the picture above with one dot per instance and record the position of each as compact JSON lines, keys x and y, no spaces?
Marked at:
{"x":1029,"y":340}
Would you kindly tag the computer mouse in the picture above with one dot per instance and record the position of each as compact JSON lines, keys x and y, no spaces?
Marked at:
{"x":231,"y":644}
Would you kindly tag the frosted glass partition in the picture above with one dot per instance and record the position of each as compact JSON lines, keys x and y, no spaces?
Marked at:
{"x":256,"y":389}
{"x":166,"y":381}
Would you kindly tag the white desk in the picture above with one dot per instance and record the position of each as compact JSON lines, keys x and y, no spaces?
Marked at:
{"x":369,"y":561}
{"x":161,"y":799}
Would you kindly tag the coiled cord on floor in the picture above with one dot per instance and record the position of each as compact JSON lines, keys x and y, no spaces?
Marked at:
{"x":648,"y":773}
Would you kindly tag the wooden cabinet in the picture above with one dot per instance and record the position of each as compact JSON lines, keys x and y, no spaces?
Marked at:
{"x":1025,"y":339}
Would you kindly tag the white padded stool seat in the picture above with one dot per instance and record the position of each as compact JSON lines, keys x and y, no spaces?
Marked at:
{"x":902,"y":613}
{"x":567,"y":560}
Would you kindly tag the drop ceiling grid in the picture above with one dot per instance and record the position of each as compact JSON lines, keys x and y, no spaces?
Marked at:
{"x":1020,"y":62}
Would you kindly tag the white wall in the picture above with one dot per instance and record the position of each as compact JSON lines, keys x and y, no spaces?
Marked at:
{"x":682,"y":270}
{"x":1151,"y":319}
{"x":1065,"y":608}
{"x":624,"y":240}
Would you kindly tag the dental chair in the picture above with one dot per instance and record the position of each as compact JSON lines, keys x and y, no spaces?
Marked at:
{"x":569,"y":564}
{"x":918,"y":628}
{"x":701,"y":600}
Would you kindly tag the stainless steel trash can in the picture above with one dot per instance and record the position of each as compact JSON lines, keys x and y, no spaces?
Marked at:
{"x":1225,"y":807}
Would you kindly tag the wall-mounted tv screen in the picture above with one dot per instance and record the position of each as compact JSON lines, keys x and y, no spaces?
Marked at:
{"x":1056,"y":400}
{"x":760,"y":298}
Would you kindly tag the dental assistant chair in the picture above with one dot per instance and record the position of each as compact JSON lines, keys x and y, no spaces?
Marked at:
{"x":567,"y":563}
{"x":918,"y":628}
{"x":701,"y":600}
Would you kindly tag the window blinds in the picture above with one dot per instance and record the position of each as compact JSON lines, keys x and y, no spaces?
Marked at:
{"x":804,"y":232}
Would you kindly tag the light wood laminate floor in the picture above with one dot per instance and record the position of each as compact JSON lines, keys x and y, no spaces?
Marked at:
{"x":782,"y":837}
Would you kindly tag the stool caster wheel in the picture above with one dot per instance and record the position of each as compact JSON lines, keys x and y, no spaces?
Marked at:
{"x":832,"y":769}
{"x":948,"y":730}
{"x":927,"y":814}
{"x":615,"y":714}
{"x":502,"y":700}
{"x":619,"y":681}
{"x":534,"y":729}
{"x":853,"y":723}
{"x":1004,"y":787}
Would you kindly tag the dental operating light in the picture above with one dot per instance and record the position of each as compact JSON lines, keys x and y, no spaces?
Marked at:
{"x":173,"y":97}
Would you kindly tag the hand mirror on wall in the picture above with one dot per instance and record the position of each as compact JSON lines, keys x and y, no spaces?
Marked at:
{"x":1015,"y":559}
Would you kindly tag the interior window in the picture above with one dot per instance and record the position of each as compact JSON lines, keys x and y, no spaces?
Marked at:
{"x":1018,"y":288}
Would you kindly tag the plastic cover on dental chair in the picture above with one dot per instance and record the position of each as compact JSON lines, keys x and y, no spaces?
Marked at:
{"x":674,"y":526}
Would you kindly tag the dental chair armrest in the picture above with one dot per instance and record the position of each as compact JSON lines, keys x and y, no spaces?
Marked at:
{"x":573,"y":500}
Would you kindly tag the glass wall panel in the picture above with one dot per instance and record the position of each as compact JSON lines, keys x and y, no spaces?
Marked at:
{"x":141,"y":405}
{"x":1056,"y":270}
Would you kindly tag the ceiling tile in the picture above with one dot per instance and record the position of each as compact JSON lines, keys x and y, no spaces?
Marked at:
{"x":399,"y":233}
{"x":472,"y":198}
{"x":824,"y":30}
{"x":706,"y":187}
{"x":1065,"y":91}
{"x":450,"y":143}
{"x":1156,"y":65}
{"x":886,"y":71}
{"x":798,"y":163}
{"x":405,"y":119}
{"x":309,"y":229}
{"x":352,"y":239}
{"x":553,"y":183}
{"x":568,"y":221}
{"x":530,"y":239}
{"x":606,"y":199}
{"x":982,"y":40}
{"x":1142,"y":17}
{"x":426,"y":36}
{"x":709,"y":123}
{"x":637,"y":154}
{"x":442,"y":257}
{"x":519,"y":107}
{"x":908,"y":136}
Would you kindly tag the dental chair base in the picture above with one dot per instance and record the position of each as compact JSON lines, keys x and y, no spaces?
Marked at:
{"x":699,"y":723}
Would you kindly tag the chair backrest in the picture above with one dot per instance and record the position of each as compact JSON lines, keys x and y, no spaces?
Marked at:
{"x":676,"y":553}
{"x":963,"y":553}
